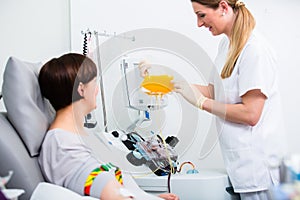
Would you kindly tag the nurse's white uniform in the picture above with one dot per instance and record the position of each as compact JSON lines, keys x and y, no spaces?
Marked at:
{"x":250,"y":152}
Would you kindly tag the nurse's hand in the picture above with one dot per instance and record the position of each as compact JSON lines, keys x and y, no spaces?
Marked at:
{"x":144,"y":67}
{"x":190,"y":92}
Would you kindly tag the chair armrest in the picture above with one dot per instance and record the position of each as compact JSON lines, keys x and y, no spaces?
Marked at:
{"x":48,"y":191}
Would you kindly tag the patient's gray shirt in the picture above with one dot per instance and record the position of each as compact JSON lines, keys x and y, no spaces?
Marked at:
{"x":66,"y":161}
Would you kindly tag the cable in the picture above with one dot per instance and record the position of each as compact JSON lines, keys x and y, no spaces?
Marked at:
{"x":172,"y":169}
{"x":86,"y":38}
{"x":169,"y":182}
{"x":180,"y":168}
{"x":85,"y":44}
{"x":184,"y":163}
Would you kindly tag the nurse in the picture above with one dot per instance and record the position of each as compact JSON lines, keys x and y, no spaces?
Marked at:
{"x":249,"y":116}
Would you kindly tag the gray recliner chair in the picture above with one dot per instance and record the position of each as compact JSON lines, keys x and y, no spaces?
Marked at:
{"x":22,"y":126}
{"x":22,"y":130}
{"x":14,"y":156}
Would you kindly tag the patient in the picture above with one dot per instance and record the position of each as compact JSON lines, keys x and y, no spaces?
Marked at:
{"x":70,"y":84}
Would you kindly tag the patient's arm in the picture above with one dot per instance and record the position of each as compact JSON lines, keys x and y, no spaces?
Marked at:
{"x":139,"y":194}
{"x":169,"y":196}
{"x":112,"y":190}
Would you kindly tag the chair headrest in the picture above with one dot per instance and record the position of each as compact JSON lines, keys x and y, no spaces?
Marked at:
{"x":27,"y":110}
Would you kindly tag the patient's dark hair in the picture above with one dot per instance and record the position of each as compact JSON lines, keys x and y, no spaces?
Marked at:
{"x":59,"y":78}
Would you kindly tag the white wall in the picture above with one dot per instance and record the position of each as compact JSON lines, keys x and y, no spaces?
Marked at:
{"x":33,"y":30}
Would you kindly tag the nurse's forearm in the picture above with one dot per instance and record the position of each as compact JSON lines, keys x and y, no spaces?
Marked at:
{"x":236,"y":113}
{"x":206,"y":90}
{"x":246,"y":112}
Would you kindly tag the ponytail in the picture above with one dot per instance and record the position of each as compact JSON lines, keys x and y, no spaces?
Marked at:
{"x":242,"y":29}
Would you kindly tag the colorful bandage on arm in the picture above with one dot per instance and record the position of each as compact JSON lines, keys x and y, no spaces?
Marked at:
{"x":103,"y":168}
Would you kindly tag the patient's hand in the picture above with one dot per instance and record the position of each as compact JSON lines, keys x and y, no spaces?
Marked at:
{"x":169,"y":196}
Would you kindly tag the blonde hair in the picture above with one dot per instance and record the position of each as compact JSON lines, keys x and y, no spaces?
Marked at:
{"x":242,"y":29}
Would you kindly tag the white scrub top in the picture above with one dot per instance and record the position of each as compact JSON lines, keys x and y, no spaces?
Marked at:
{"x":250,"y":152}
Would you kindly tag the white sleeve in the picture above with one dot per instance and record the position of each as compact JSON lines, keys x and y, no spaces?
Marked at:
{"x":256,"y":69}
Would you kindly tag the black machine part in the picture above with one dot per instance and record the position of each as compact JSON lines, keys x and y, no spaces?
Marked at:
{"x":152,"y":152}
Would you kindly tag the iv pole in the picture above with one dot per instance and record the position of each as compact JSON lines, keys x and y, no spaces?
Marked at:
{"x":104,"y":34}
{"x":101,"y":83}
